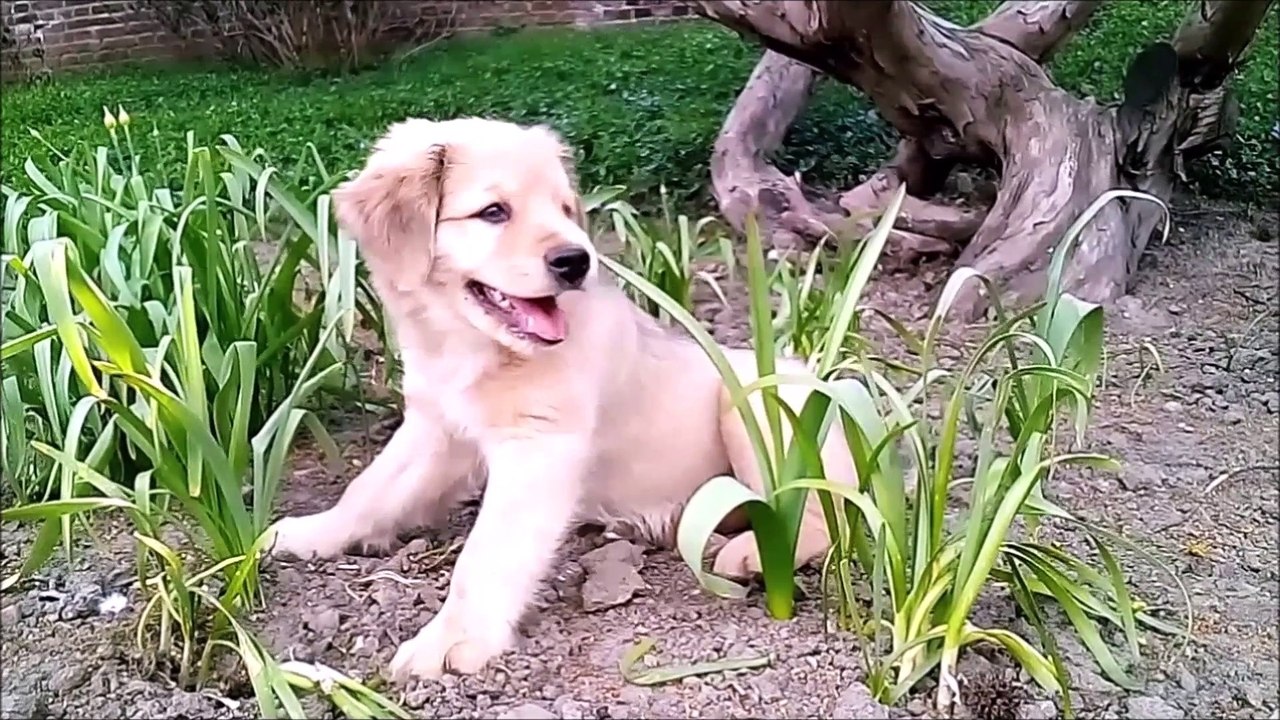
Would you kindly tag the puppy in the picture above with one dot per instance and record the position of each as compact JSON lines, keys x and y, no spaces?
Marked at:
{"x":529,"y":373}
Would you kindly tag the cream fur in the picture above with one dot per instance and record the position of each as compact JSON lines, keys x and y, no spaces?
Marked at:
{"x":618,"y":424}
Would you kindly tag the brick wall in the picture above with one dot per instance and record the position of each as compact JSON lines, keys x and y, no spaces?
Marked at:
{"x":48,"y":35}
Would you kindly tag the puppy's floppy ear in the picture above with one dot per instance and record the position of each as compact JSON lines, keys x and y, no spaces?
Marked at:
{"x":392,"y":209}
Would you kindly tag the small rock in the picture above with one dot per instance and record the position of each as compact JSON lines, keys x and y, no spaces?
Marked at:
{"x":766,"y":685}
{"x":570,"y":709}
{"x":918,"y":707}
{"x":613,"y":576}
{"x":23,"y":705}
{"x":1187,"y":681}
{"x":973,"y":665}
{"x":417,"y":546}
{"x":1173,"y":406}
{"x":387,"y":597}
{"x":616,"y":551}
{"x":1153,"y":708}
{"x":1139,"y":476}
{"x":75,"y":611}
{"x":10,"y":615}
{"x":527,"y":711}
{"x":323,"y":621}
{"x":1042,"y":710}
{"x":68,"y":678}
{"x":1254,"y":695}
{"x":428,"y":597}
{"x":857,"y":702}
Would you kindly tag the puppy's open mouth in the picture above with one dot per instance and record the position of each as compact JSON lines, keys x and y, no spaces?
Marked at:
{"x":538,"y":319}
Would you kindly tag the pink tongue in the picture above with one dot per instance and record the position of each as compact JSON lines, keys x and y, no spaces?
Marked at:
{"x":541,"y":317}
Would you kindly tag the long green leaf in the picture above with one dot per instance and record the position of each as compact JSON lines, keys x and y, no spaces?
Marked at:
{"x":704,"y":512}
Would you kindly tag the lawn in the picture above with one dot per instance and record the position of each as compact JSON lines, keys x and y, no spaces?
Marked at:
{"x":642,"y":105}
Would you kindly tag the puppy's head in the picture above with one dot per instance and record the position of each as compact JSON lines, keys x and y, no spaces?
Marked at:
{"x":479,"y":216}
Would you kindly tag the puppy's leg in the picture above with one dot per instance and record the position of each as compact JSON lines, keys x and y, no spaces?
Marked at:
{"x":740,"y":558}
{"x":419,"y":468}
{"x":529,"y":502}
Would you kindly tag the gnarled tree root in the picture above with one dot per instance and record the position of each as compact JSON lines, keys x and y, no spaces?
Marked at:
{"x":978,"y":95}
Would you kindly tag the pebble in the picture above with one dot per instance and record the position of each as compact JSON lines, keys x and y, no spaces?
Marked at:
{"x":22,"y":705}
{"x":10,"y":615}
{"x":1153,"y":708}
{"x":1186,"y":680}
{"x":527,"y":711}
{"x":324,"y":621}
{"x":571,"y":709}
{"x":68,"y":678}
{"x":612,"y":575}
{"x":857,"y":702}
{"x":1040,"y":710}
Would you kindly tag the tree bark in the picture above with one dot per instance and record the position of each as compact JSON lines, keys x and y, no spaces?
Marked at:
{"x":978,"y":95}
{"x":1038,"y":29}
{"x":741,"y":175}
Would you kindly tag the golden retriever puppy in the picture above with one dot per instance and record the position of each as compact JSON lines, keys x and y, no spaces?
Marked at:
{"x":529,"y":372}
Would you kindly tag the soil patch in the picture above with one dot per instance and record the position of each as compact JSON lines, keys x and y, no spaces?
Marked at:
{"x":1206,"y":302}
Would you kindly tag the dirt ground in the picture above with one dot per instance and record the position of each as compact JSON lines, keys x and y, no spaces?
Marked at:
{"x":1206,"y":301}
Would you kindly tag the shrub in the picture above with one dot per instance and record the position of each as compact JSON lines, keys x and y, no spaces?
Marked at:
{"x":924,"y":578}
{"x":328,"y":34}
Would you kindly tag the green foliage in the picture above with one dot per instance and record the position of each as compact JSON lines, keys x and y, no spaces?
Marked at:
{"x":165,"y":264}
{"x":810,"y":298}
{"x":668,"y":250}
{"x":925,"y":564}
{"x":641,"y":105}
{"x":156,"y":364}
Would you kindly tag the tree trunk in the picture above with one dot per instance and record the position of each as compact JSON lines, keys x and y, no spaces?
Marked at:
{"x":978,"y":95}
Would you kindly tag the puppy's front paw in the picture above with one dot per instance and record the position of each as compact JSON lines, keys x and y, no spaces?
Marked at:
{"x":739,"y":558}
{"x":308,"y":536}
{"x":448,"y":645}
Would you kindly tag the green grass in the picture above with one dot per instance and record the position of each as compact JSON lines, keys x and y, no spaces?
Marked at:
{"x":642,"y":105}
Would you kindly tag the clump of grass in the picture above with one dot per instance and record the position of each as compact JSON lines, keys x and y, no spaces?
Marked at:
{"x":924,"y":579}
{"x":668,"y":250}
{"x":169,"y":374}
{"x":128,"y":224}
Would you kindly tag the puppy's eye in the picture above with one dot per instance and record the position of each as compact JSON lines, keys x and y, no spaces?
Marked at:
{"x":568,"y":211}
{"x":494,"y":213}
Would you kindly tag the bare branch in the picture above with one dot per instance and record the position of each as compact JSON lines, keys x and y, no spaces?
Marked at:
{"x":1213,"y":38}
{"x":1038,"y":29}
{"x":742,"y":177}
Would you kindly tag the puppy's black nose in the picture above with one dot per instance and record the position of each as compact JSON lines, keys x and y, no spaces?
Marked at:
{"x":569,"y":264}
